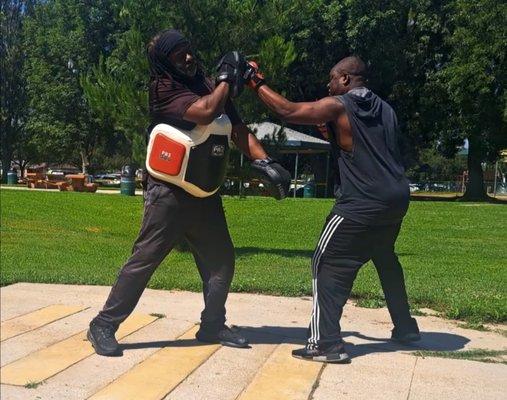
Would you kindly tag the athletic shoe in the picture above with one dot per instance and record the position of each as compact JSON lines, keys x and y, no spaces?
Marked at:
{"x":102,"y":339}
{"x":405,"y":337}
{"x":333,"y":354}
{"x":226,"y":336}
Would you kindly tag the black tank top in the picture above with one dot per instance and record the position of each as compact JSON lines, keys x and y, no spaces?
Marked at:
{"x":373,"y":186}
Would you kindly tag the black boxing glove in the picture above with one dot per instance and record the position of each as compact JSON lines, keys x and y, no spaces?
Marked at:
{"x":254,"y":79}
{"x":273,"y":175}
{"x":231,"y":69}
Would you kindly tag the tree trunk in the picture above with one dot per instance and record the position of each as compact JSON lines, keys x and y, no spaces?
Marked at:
{"x":84,"y":161}
{"x":475,"y":190}
{"x":6,"y":163}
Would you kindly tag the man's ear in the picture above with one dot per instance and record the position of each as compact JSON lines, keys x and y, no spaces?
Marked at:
{"x":345,"y":80}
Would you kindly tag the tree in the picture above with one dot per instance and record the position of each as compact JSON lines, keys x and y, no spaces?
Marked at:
{"x":12,"y":85}
{"x":117,"y":91}
{"x":404,"y":44}
{"x":474,"y":81}
{"x":116,"y":88}
{"x":63,"y":39}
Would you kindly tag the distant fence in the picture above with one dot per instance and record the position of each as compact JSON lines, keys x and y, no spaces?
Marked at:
{"x":455,"y":187}
{"x":236,"y":187}
{"x":253,"y":187}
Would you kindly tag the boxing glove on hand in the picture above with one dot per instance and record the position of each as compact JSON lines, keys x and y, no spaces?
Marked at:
{"x":273,"y":175}
{"x":253,"y":78}
{"x":231,"y":69}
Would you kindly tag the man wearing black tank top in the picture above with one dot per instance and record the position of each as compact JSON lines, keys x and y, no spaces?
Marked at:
{"x":366,"y":219}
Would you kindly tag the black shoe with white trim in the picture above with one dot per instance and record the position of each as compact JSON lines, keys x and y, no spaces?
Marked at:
{"x":333,"y":354}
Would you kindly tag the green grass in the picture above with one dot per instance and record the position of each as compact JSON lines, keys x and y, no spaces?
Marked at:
{"x":482,"y":355}
{"x":33,"y":385}
{"x":454,"y":254}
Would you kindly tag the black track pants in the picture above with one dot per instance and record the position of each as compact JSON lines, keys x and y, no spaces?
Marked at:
{"x":169,"y":215}
{"x":343,"y":247}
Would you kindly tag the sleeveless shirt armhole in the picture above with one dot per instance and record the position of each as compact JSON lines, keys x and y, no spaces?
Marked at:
{"x":350,"y":153}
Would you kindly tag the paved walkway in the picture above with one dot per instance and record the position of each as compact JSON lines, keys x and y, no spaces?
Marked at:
{"x":44,"y":354}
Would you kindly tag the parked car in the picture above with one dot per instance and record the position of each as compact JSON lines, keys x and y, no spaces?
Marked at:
{"x":414,"y":187}
{"x":109,"y":180}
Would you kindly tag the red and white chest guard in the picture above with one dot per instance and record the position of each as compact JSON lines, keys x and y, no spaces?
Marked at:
{"x":194,"y":160}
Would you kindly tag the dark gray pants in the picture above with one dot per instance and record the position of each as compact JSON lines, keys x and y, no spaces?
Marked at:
{"x":343,"y":247}
{"x":171,"y":214}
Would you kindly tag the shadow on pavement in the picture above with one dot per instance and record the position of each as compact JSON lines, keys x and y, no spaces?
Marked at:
{"x":162,"y":343}
{"x":433,"y":341}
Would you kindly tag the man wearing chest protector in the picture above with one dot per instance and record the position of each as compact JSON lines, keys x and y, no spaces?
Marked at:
{"x":184,"y":99}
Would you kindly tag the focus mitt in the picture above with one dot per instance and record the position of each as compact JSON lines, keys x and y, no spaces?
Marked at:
{"x":273,"y":175}
{"x":231,"y":69}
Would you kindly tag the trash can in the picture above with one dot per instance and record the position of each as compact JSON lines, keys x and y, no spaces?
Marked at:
{"x":128,"y":181}
{"x":309,"y":190}
{"x":12,"y":177}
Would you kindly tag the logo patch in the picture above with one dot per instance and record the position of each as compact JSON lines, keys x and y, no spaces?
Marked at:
{"x":165,"y":155}
{"x":218,"y":150}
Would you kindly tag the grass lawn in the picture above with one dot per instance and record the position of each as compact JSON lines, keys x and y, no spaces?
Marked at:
{"x":454,"y":254}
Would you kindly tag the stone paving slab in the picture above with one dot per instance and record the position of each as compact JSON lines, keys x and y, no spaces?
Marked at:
{"x":379,"y":369}
{"x":458,"y":379}
{"x":36,"y":319}
{"x":49,"y":361}
{"x":377,"y":376}
{"x":228,"y":371}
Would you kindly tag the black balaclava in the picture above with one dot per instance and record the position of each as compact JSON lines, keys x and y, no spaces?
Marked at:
{"x":159,"y":56}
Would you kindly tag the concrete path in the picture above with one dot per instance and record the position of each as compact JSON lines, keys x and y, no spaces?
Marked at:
{"x":44,"y":353}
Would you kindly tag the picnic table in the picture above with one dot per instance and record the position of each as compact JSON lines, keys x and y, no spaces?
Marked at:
{"x":79,"y":183}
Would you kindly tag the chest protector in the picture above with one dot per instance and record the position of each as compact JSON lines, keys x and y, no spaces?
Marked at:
{"x":195,"y":160}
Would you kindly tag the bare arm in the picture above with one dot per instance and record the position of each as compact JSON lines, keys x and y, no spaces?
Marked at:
{"x":246,"y":141}
{"x":305,"y":113}
{"x":207,"y":108}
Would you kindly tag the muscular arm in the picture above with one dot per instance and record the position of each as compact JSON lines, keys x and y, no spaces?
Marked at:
{"x":305,"y":113}
{"x":247,"y":142}
{"x":207,"y":108}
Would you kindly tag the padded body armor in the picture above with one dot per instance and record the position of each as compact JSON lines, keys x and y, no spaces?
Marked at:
{"x":194,"y":160}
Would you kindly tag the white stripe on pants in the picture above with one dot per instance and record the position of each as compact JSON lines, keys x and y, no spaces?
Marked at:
{"x":326,"y":235}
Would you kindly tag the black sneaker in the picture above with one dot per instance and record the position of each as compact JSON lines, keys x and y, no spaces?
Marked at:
{"x":103,"y":340}
{"x":333,"y":354}
{"x":226,"y":336}
{"x":405,"y":337}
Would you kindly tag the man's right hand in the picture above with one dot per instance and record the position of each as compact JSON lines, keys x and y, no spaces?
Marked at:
{"x":322,"y":128}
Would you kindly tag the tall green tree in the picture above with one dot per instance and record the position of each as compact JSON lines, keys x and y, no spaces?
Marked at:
{"x":64,"y":39}
{"x":474,"y":81}
{"x":116,"y":88}
{"x":404,"y":44}
{"x":12,"y":85}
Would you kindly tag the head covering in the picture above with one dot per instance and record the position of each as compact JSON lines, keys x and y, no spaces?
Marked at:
{"x":158,"y":54}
